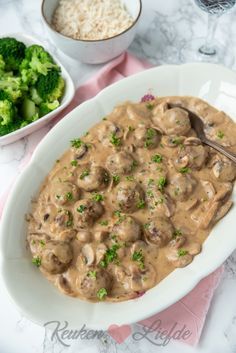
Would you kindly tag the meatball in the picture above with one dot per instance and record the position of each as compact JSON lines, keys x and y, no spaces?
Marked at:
{"x":159,"y":231}
{"x":120,"y":163}
{"x":191,"y":156}
{"x":181,"y":186}
{"x":127,"y":229}
{"x":223,"y":169}
{"x":90,"y":282}
{"x":129,"y":196}
{"x":160,"y":202}
{"x":107,"y":130}
{"x":141,"y":279}
{"x":63,"y":193}
{"x":63,"y":220}
{"x":93,"y":178}
{"x":173,"y":121}
{"x":146,"y":137}
{"x":56,"y":257}
{"x":86,"y":212}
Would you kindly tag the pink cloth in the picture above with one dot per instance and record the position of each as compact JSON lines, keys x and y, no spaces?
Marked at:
{"x":190,"y":311}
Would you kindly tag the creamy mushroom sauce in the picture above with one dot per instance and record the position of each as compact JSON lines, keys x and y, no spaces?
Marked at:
{"x":132,"y":200}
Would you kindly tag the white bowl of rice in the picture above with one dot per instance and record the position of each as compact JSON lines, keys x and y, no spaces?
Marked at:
{"x":92,"y":31}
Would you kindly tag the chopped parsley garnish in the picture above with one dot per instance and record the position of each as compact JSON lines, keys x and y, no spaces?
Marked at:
{"x":146,"y":225}
{"x":74,"y":163}
{"x":150,"y":182}
{"x":102,"y":293}
{"x":98,"y":197}
{"x":141,"y":204}
{"x":116,"y":179}
{"x":130,"y":178}
{"x":182,"y":252}
{"x":139,"y":257}
{"x":92,"y":274}
{"x":117,"y":213}
{"x":176,"y":141}
{"x":151,"y":133}
{"x":110,"y":256}
{"x":77,"y":143}
{"x":81,"y":208}
{"x":42,"y":243}
{"x":103,"y":223}
{"x":115,"y":140}
{"x":131,"y":128}
{"x":159,"y":201}
{"x":150,"y":106}
{"x":134,"y":165}
{"x":177,"y":233}
{"x":69,"y":196}
{"x":157,"y":158}
{"x":105,"y":118}
{"x":150,"y":193}
{"x":184,"y":170}
{"x":220,"y":134}
{"x":69,"y":223}
{"x":36,"y":261}
{"x":161,"y":183}
{"x":84,"y":174}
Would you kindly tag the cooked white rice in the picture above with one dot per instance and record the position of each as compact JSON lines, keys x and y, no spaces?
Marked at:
{"x":91,"y":19}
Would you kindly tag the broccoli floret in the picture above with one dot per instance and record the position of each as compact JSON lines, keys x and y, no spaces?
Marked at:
{"x":4,"y":95}
{"x":2,"y":64}
{"x":7,"y":112}
{"x":13,"y":52}
{"x":51,"y":86}
{"x":34,"y":96}
{"x":28,"y":76}
{"x":47,"y":107}
{"x":13,"y":86}
{"x":37,"y":59}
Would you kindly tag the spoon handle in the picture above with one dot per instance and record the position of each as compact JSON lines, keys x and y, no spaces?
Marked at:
{"x":221,"y":149}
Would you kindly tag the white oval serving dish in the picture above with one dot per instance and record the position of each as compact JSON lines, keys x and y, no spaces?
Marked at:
{"x":67,"y":97}
{"x":39,"y":300}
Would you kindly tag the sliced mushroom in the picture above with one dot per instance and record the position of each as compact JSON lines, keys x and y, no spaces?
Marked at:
{"x":80,"y":152}
{"x":64,"y":285}
{"x":224,"y":169}
{"x":93,"y":178}
{"x":88,"y":254}
{"x":181,"y":186}
{"x":191,"y":204}
{"x":86,"y":212}
{"x":192,"y":141}
{"x":159,"y":231}
{"x":193,"y":248}
{"x":209,"y":215}
{"x":129,"y":196}
{"x":223,"y":210}
{"x":56,"y":257}
{"x":208,"y":188}
{"x":120,"y":163}
{"x":100,"y":252}
{"x":224,"y":192}
{"x":173,"y":121}
{"x":127,"y":229}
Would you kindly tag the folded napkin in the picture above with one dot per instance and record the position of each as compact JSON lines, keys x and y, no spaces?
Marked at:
{"x":190,"y":311}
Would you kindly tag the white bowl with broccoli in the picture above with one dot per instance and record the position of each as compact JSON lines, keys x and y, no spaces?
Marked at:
{"x":34,"y":87}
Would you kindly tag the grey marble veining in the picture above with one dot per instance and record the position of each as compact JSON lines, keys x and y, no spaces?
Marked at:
{"x":166,"y":26}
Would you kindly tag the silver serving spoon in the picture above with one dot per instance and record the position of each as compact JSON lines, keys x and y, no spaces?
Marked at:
{"x":198,"y":126}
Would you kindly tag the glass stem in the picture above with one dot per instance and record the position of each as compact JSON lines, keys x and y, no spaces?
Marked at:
{"x":208,"y":48}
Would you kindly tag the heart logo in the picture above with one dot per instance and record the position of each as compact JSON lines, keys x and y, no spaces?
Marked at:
{"x":119,"y":333}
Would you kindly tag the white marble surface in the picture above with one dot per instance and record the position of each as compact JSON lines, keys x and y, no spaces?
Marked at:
{"x":165,"y":27}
